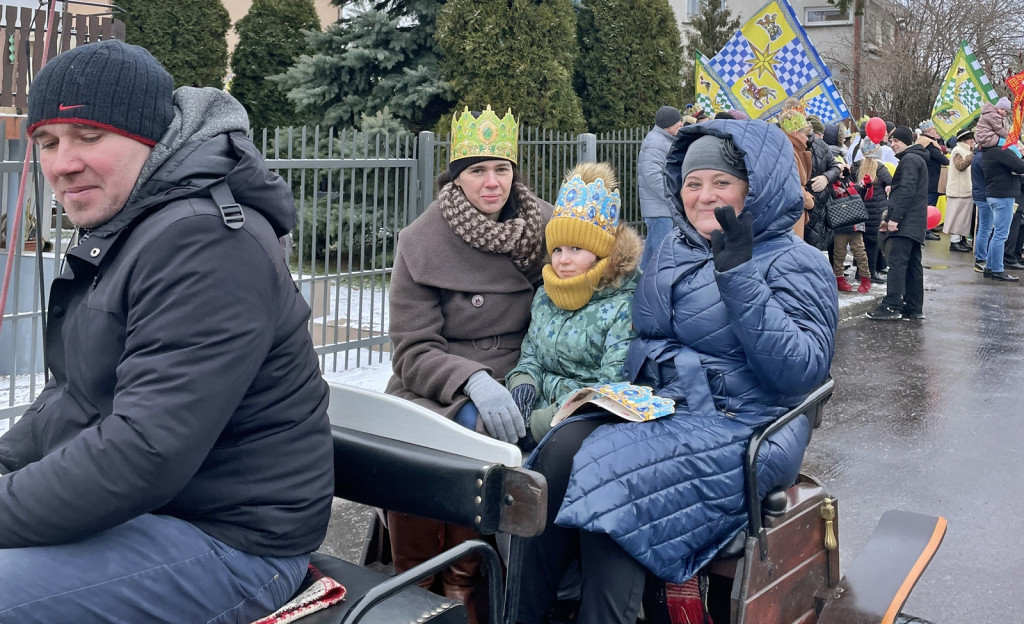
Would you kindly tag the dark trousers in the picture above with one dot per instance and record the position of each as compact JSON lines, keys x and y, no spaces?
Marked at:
{"x":612,"y":581}
{"x":1015,"y":238}
{"x":905,"y":286}
{"x":871,"y":249}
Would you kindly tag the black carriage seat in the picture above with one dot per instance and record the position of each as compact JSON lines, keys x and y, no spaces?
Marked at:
{"x":385,"y":456}
{"x":781,"y":502}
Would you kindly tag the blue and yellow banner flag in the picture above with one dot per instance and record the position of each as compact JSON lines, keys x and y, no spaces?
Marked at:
{"x":768,"y":60}
{"x":963,"y":91}
{"x":825,"y":101}
{"x":711,"y":96}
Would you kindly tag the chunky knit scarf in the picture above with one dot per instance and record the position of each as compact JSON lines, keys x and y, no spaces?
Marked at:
{"x":572,"y":293}
{"x":520,"y":238}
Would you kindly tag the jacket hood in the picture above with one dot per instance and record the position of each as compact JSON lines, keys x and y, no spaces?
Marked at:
{"x":916,"y":148}
{"x":775,"y":196}
{"x":989,"y":107}
{"x":206,"y":144}
{"x":831,"y":135}
{"x":623,"y":260}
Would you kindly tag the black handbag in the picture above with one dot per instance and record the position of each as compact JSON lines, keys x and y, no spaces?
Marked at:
{"x":846,"y":208}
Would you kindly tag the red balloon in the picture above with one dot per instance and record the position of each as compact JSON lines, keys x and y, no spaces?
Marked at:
{"x":875,"y":129}
{"x":934,"y":217}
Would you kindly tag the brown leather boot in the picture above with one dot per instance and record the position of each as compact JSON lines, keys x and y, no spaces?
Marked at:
{"x":464,"y":580}
{"x":413,"y":541}
{"x":865,"y":285}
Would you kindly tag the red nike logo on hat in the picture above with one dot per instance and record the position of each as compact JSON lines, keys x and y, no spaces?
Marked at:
{"x":65,"y":108}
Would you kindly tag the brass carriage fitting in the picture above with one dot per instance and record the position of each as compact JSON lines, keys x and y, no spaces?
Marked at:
{"x":828,"y":512}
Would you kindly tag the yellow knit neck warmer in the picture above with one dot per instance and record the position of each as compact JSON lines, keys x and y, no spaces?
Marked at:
{"x":573,"y":293}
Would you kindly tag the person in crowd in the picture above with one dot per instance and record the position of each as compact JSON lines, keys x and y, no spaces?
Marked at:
{"x":655,"y":204}
{"x":959,"y":201}
{"x":581,"y":319}
{"x":929,"y":138}
{"x":798,"y":131}
{"x":1012,"y":250}
{"x":825,"y":171}
{"x":993,"y":124}
{"x":464,"y":277}
{"x":905,"y":224}
{"x":1002,"y":169}
{"x":983,"y":233}
{"x":735,"y":321}
{"x":876,"y":200}
{"x":177,"y":467}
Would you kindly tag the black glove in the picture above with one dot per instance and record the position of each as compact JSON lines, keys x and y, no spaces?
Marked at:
{"x":734,"y":243}
{"x":524,"y":396}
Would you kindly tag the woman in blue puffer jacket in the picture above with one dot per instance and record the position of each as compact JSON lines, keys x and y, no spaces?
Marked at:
{"x":735,"y":320}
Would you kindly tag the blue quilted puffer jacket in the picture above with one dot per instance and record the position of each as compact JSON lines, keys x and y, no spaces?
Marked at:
{"x":735,"y":350}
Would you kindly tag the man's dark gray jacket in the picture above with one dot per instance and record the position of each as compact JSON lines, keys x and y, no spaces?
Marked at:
{"x":184,"y":381}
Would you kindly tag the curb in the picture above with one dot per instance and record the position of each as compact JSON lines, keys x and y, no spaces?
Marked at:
{"x":853,"y":306}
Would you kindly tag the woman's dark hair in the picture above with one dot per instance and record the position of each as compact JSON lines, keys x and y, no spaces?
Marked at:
{"x":511,"y":207}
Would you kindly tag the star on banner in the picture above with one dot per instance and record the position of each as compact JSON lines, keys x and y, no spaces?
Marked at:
{"x":763,"y":61}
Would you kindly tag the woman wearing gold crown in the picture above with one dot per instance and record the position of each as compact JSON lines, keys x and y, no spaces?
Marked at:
{"x":464,"y":277}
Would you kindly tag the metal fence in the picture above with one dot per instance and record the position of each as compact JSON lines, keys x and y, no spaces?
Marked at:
{"x":354,"y":192}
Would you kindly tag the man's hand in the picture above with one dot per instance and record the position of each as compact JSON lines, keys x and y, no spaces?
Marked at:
{"x":734,"y":243}
{"x":891,"y":226}
{"x":818,"y":183}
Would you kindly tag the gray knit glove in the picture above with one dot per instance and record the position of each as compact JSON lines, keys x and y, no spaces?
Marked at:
{"x":502,"y":418}
{"x":524,"y":396}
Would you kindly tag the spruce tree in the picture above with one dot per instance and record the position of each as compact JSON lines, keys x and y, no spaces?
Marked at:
{"x":270,"y":40}
{"x":516,"y":54}
{"x":629,"y":64}
{"x":381,"y":54}
{"x":189,"y":37}
{"x":708,"y":32}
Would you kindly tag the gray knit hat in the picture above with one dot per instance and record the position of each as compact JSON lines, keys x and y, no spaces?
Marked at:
{"x":109,"y":85}
{"x":711,"y":152}
{"x":667,"y":116}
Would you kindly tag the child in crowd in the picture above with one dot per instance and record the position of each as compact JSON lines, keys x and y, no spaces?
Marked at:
{"x":581,"y":318}
{"x":993,"y":124}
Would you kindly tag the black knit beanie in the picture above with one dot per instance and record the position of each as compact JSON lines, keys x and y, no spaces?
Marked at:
{"x":456,"y":167}
{"x":109,"y":85}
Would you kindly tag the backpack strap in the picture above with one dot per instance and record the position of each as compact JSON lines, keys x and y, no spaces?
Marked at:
{"x":230,"y":211}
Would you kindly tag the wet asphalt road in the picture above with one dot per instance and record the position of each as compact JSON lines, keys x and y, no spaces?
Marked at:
{"x":926,"y":417}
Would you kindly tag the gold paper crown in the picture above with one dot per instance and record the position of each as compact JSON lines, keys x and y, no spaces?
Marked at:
{"x":485,"y":136}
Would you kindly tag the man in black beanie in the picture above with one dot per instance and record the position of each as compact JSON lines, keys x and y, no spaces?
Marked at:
{"x":178,"y":465}
{"x":655,"y":201}
{"x":905,"y":224}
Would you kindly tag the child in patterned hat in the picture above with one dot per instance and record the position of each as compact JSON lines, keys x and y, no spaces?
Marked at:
{"x":581,"y":318}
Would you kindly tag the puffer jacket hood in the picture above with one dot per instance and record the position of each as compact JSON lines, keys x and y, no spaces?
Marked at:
{"x":774,"y":198}
{"x":205,"y":144}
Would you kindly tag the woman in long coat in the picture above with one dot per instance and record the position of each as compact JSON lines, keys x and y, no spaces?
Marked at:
{"x":464,"y":276}
{"x":736,"y":329}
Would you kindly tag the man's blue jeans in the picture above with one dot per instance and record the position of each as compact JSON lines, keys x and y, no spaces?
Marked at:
{"x":149,"y":569}
{"x":981,"y":239}
{"x":1002,"y":214}
{"x":657,"y":229}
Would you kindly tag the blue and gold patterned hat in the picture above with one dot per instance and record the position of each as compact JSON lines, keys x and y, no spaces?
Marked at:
{"x":587,"y":210}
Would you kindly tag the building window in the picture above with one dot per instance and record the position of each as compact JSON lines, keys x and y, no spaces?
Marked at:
{"x":692,"y":8}
{"x":826,"y":16}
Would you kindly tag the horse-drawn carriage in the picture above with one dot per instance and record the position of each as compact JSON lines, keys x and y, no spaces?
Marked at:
{"x":784,"y":569}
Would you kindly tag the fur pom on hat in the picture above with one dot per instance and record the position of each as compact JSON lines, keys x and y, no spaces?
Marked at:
{"x":587,"y":210}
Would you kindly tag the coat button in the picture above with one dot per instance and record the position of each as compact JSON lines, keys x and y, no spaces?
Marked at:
{"x":95,"y":251}
{"x":477,"y":301}
{"x":58,"y":311}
